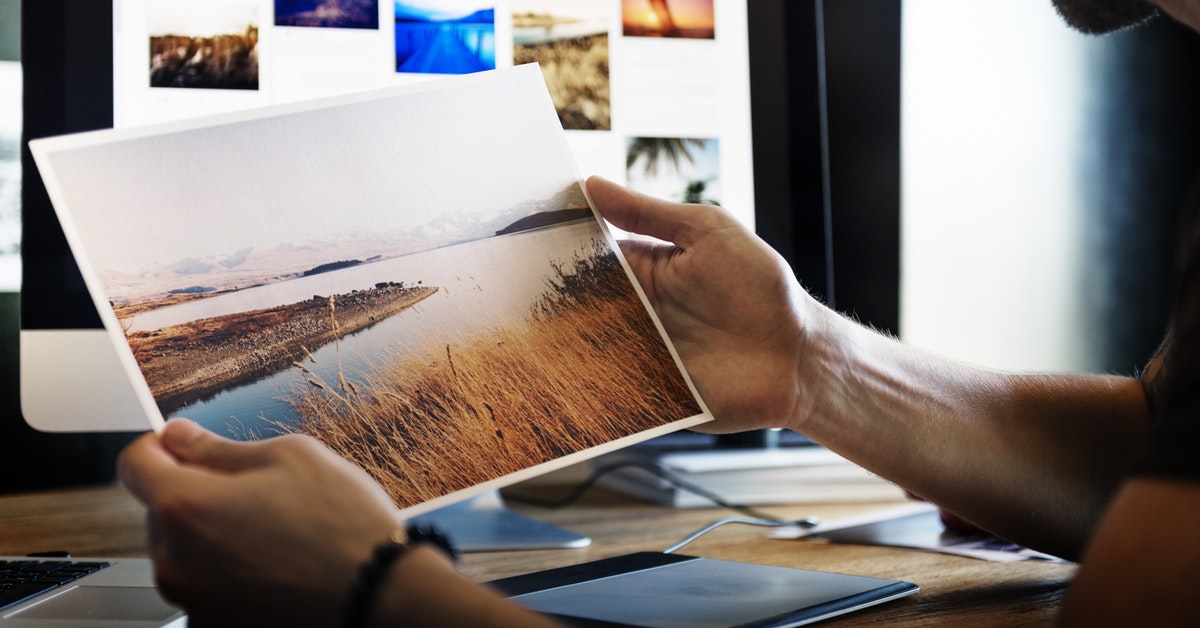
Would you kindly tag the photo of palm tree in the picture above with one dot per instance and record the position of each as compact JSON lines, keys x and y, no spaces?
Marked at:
{"x":691,"y":19}
{"x":449,"y":37}
{"x":683,"y":169}
{"x":569,"y":40}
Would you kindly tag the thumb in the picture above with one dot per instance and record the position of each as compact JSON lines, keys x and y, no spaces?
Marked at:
{"x":644,"y":215}
{"x":193,"y":444}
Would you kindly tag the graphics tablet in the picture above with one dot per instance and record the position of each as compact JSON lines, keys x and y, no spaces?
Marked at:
{"x":651,"y":589}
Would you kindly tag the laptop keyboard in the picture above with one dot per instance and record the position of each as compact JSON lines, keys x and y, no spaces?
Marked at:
{"x":23,"y":579}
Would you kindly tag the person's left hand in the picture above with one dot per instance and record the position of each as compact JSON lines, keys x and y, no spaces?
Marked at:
{"x":244,"y":532}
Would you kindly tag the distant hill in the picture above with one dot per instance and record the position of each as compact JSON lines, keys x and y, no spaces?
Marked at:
{"x":330,"y":267}
{"x":193,"y":290}
{"x":545,"y":219}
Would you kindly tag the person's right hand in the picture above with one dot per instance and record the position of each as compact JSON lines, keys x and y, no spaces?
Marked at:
{"x":730,"y":304}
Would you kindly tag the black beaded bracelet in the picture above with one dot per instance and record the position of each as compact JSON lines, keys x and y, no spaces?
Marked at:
{"x":372,"y":572}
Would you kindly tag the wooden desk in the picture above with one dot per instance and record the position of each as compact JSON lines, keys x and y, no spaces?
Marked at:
{"x":106,"y":521}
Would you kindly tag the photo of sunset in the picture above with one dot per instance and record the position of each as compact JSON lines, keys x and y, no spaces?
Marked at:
{"x":690,"y":19}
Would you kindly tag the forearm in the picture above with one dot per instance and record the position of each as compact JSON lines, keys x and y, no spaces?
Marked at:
{"x":1033,"y":458}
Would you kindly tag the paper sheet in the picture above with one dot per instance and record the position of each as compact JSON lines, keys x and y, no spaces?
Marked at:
{"x":412,"y":275}
{"x":915,"y":526}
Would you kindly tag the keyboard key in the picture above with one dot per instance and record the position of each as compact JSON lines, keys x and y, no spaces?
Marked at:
{"x":22,"y":592}
{"x":21,"y":580}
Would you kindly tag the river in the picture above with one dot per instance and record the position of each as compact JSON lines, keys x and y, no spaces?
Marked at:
{"x":480,"y":284}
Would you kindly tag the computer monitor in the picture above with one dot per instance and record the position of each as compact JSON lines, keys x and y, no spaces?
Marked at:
{"x":748,"y":86}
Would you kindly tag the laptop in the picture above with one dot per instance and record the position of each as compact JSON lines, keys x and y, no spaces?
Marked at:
{"x":40,"y":592}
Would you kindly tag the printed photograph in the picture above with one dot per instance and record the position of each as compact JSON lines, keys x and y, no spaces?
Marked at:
{"x":425,"y":301}
{"x":445,"y":36}
{"x":682,"y":169}
{"x":207,"y":45}
{"x":690,"y":19}
{"x":569,"y":39}
{"x":328,"y":13}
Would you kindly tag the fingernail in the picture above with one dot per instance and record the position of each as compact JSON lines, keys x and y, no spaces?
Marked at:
{"x":179,"y":432}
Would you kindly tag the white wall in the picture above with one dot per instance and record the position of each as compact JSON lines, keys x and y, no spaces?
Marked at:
{"x":991,"y":95}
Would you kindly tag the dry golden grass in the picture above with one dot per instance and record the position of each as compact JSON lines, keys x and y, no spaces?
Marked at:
{"x":576,"y":73}
{"x":227,"y":61}
{"x":587,"y":367}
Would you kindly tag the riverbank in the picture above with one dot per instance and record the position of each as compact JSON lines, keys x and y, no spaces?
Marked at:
{"x":186,"y":363}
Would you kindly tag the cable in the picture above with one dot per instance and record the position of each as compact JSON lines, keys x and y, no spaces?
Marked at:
{"x":770,"y":523}
{"x":670,"y":477}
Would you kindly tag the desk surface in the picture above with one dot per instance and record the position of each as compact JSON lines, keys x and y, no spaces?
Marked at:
{"x":106,"y":521}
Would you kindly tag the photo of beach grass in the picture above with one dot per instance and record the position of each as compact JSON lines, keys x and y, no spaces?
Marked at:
{"x":414,"y":280}
{"x":585,"y":367}
{"x":569,"y":40}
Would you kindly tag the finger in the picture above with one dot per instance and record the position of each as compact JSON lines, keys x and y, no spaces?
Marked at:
{"x":644,"y":215}
{"x":193,"y":444}
{"x":641,"y":256}
{"x":146,"y":468}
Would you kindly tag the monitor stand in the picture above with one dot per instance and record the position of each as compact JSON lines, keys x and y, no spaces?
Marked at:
{"x":728,"y":460}
{"x":484,"y":524}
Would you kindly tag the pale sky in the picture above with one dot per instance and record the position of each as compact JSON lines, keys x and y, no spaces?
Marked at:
{"x":200,"y":18}
{"x":446,"y":9}
{"x":491,"y":143}
{"x":565,"y":8}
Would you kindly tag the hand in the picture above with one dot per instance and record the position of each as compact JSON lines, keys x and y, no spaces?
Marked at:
{"x":730,"y":304}
{"x":247,"y":532}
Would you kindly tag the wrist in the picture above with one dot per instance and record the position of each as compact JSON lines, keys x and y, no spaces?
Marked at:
{"x":815,"y":361}
{"x":373,"y":576}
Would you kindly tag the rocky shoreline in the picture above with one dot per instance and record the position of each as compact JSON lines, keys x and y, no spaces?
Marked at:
{"x":186,"y":363}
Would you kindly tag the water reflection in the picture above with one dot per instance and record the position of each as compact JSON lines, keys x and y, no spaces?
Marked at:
{"x":480,"y":284}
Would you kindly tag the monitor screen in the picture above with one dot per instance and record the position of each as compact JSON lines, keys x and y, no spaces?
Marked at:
{"x":655,"y":94}
{"x":695,"y":100}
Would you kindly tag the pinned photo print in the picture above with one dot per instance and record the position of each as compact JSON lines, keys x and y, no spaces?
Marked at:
{"x":569,"y":39}
{"x":445,"y":36}
{"x":328,"y":13}
{"x":682,"y":169}
{"x":690,"y":19}
{"x":207,"y":45}
{"x":379,"y":273}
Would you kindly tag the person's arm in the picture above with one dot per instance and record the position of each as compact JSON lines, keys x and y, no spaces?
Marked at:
{"x":274,"y":532}
{"x":1141,"y":567}
{"x":1033,"y":458}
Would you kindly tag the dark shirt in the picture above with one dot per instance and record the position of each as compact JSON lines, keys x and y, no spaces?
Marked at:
{"x":1173,"y":450}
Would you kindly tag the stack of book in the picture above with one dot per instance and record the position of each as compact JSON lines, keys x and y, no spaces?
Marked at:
{"x":783,"y":475}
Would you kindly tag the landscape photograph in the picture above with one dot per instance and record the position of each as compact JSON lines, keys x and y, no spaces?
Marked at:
{"x":451,"y":37}
{"x":203,"y":45}
{"x":426,"y":301}
{"x":689,"y":19}
{"x":569,"y":39}
{"x":684,"y":169}
{"x":328,"y":13}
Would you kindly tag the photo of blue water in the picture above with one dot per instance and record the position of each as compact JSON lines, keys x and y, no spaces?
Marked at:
{"x":438,"y":42}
